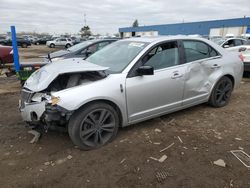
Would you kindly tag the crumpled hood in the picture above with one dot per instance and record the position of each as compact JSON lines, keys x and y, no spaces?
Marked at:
{"x":41,"y":78}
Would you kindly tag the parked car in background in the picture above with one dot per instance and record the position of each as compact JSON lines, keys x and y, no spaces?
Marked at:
{"x":81,"y":50}
{"x":6,"y":55}
{"x":66,"y":42}
{"x":231,"y":44}
{"x":20,"y":42}
{"x":127,"y":82}
{"x":42,"y":40}
{"x":245,"y":52}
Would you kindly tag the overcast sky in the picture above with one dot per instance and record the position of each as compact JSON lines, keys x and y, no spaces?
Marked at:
{"x":106,"y":16}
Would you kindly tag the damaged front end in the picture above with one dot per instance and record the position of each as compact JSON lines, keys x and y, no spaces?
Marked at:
{"x":38,"y":106}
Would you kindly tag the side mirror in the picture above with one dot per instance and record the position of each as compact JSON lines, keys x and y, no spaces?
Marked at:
{"x":226,"y":46}
{"x":145,"y":70}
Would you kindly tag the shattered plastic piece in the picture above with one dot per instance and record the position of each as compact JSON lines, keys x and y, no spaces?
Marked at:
{"x":122,"y":161}
{"x":36,"y":136}
{"x":242,"y":156}
{"x":163,"y":158}
{"x":153,"y":158}
{"x":220,"y":162}
{"x":158,"y":130}
{"x":239,"y":139}
{"x":180,"y":139}
{"x":167,"y":147}
{"x":69,"y":157}
{"x":157,"y":143}
{"x":47,"y":163}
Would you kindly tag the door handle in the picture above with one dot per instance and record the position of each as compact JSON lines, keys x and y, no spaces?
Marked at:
{"x":215,"y":66}
{"x":176,"y":75}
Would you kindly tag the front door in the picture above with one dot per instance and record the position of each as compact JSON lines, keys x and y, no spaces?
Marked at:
{"x":152,"y":95}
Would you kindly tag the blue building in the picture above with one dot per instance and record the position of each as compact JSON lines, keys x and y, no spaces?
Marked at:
{"x":236,"y":27}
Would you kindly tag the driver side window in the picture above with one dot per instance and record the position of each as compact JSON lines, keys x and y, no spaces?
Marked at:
{"x":163,"y":56}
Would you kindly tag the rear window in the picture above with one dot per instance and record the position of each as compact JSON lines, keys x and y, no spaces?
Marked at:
{"x":196,"y":50}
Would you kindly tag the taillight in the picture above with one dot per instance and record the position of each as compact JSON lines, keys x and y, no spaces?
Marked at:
{"x":242,"y":49}
{"x":11,"y":52}
{"x":241,"y":57}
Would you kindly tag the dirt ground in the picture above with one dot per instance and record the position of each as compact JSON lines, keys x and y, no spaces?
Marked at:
{"x":201,"y":135}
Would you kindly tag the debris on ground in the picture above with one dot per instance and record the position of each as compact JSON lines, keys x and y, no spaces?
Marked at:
{"x":69,"y":157}
{"x":180,"y":139}
{"x":161,"y":160}
{"x":238,"y":139}
{"x":122,"y":161}
{"x":157,"y":143}
{"x":167,"y":147}
{"x":220,"y":163}
{"x":47,"y":163}
{"x":158,"y":130}
{"x":242,"y":156}
{"x":36,"y":136}
{"x":162,"y":176}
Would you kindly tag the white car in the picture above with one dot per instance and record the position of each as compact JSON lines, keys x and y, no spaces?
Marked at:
{"x":245,"y":52}
{"x":231,"y":44}
{"x":60,"y":42}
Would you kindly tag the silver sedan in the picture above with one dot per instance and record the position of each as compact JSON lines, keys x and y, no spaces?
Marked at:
{"x":127,"y":82}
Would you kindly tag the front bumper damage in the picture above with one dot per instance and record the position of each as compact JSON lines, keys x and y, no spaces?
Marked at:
{"x":38,"y":110}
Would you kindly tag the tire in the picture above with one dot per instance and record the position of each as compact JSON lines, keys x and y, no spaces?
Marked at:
{"x":221,"y":93}
{"x":67,"y":46}
{"x":52,"y":45}
{"x":24,"y":45}
{"x":93,"y":126}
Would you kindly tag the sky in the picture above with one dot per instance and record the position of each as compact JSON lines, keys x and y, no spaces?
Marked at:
{"x":106,"y":16}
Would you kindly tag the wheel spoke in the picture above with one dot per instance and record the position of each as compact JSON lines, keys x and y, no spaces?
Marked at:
{"x":89,"y":121}
{"x":96,"y":138}
{"x":87,"y":133}
{"x":100,"y":137}
{"x":104,"y":116}
{"x":220,"y":97}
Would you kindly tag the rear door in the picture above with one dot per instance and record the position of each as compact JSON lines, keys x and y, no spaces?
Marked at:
{"x":203,"y":64}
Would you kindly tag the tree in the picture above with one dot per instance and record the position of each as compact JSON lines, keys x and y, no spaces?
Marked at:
{"x":85,"y":31}
{"x":135,"y":23}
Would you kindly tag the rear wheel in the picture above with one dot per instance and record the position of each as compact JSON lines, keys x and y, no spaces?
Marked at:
{"x":93,"y":126}
{"x":52,"y":45}
{"x":221,"y":93}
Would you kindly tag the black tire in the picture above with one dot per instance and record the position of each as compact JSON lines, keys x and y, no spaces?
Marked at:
{"x":93,"y":125}
{"x":221,"y":93}
{"x":67,"y":46}
{"x":52,"y":45}
{"x":24,"y":45}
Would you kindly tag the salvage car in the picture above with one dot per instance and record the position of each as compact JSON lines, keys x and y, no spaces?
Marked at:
{"x":6,"y":55}
{"x":60,"y":42}
{"x":127,"y":82}
{"x":81,"y":50}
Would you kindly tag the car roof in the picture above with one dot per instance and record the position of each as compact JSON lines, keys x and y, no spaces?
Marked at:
{"x":162,"y":38}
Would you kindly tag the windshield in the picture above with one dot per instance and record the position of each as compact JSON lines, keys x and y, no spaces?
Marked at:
{"x":79,"y":46}
{"x":117,"y":55}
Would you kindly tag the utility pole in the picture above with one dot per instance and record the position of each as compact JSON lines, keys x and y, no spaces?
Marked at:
{"x":85,"y":21}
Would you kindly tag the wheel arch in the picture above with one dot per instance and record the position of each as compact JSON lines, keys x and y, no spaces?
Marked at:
{"x":111,"y":103}
{"x":230,"y":76}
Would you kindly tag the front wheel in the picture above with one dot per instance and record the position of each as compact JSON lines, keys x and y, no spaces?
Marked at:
{"x":221,"y":93}
{"x":24,"y":45}
{"x":93,"y":126}
{"x":52,"y":45}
